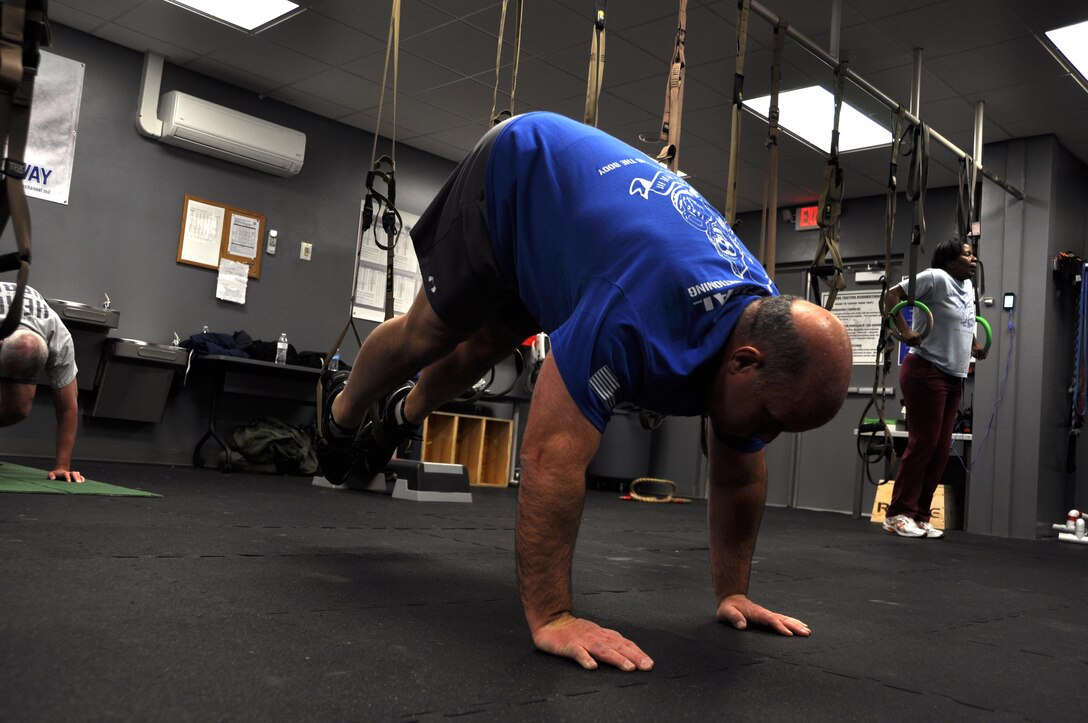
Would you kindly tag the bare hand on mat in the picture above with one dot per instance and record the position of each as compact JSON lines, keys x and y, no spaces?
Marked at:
{"x":740,"y":612}
{"x":588,"y":644}
{"x":66,"y":475}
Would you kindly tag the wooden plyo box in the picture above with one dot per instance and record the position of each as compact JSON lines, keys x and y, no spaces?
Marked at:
{"x":944,"y":514}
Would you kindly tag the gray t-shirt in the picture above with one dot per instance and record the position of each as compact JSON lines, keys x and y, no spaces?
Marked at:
{"x":948,"y":346}
{"x":38,"y":317}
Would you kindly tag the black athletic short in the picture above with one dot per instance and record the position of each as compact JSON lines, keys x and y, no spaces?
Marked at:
{"x":452,"y":239}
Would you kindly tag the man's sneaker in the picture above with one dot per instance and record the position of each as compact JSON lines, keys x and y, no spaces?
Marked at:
{"x":930,"y":530}
{"x":335,"y":454}
{"x":903,"y":526}
{"x":382,"y":433}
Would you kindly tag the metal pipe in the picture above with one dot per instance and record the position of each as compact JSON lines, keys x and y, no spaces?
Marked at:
{"x":879,"y":95}
{"x":835,"y":44}
{"x":916,"y":83}
{"x":980,"y":109}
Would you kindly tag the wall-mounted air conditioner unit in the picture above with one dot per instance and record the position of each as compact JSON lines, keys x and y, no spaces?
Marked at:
{"x":188,"y":122}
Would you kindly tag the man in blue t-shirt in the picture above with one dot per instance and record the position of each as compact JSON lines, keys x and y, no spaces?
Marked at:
{"x":649,"y":299}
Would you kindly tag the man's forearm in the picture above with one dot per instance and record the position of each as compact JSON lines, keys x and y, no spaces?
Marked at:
{"x":734,"y":515}
{"x":549,"y":511}
{"x":67,"y":421}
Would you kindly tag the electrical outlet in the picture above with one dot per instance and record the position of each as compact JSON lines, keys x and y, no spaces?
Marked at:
{"x":270,"y":246}
{"x":305,"y":251}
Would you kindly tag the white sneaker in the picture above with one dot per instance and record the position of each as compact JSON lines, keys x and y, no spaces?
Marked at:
{"x":903,"y":526}
{"x":930,"y":530}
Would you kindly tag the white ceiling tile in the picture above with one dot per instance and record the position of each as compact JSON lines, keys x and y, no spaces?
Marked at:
{"x":320,"y":106}
{"x":173,"y":25}
{"x":235,"y":76}
{"x":325,"y":40}
{"x":414,"y":74}
{"x":105,"y":9}
{"x":143,"y":44}
{"x":75,"y":17}
{"x":457,"y":46}
{"x":258,"y":56}
{"x":344,"y":89}
{"x":415,"y":17}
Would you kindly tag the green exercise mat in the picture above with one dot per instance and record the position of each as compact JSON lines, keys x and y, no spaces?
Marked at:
{"x":16,"y":478}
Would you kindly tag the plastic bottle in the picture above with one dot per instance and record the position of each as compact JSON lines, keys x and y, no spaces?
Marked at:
{"x":205,"y":329}
{"x":334,"y":365}
{"x":281,"y":349}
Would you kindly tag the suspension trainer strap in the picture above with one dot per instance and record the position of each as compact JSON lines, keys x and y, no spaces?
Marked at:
{"x":392,"y":48}
{"x":499,"y":116}
{"x":674,"y":96}
{"x":768,"y":227}
{"x":743,"y":8}
{"x":881,"y":447}
{"x":596,"y":64}
{"x":831,"y":195}
{"x":916,"y":193}
{"x":23,"y":28}
{"x":385,"y":167}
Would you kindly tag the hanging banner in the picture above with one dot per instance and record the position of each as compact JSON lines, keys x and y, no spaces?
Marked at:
{"x":54,"y":117}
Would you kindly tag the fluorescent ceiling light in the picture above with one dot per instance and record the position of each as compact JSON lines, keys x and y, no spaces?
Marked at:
{"x":245,"y":14}
{"x":808,"y":113}
{"x":1072,"y":42}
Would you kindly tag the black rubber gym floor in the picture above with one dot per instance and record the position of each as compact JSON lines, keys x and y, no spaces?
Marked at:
{"x":246,"y":597}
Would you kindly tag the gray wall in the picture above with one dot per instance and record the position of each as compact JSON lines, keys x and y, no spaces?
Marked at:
{"x":1020,"y":484}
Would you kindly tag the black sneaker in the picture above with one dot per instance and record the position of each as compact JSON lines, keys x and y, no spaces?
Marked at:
{"x":381,"y":435}
{"x":335,"y":455}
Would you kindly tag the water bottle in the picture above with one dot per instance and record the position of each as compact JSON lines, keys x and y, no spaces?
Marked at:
{"x":205,"y":331}
{"x":334,"y":365}
{"x":281,"y":349}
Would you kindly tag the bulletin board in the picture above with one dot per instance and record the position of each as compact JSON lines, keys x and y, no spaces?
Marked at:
{"x":212,"y":231}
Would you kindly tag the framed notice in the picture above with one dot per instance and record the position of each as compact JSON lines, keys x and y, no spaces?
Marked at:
{"x":212,"y":231}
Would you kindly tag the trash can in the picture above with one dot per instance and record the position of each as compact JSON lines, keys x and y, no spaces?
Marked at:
{"x":89,"y":327}
{"x":135,"y":379}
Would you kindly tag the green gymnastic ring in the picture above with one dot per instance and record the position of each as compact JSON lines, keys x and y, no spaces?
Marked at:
{"x":989,"y":334}
{"x":895,"y":310}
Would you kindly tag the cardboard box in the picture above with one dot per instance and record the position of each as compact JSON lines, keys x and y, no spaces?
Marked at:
{"x":944,"y":514}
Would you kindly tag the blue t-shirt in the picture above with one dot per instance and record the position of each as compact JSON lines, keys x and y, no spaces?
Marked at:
{"x":638,"y":280}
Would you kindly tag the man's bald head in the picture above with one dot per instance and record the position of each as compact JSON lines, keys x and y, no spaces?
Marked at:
{"x":22,"y":356}
{"x":786,"y":368}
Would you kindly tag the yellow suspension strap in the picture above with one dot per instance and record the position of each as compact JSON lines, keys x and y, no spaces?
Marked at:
{"x":871,"y":447}
{"x":674,"y":96}
{"x":498,"y":116}
{"x":831,"y":195}
{"x":596,"y":64}
{"x":743,"y":9}
{"x":23,"y":28}
{"x":768,"y":227}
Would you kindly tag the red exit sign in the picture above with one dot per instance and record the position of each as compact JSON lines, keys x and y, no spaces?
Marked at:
{"x":806,"y":218}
